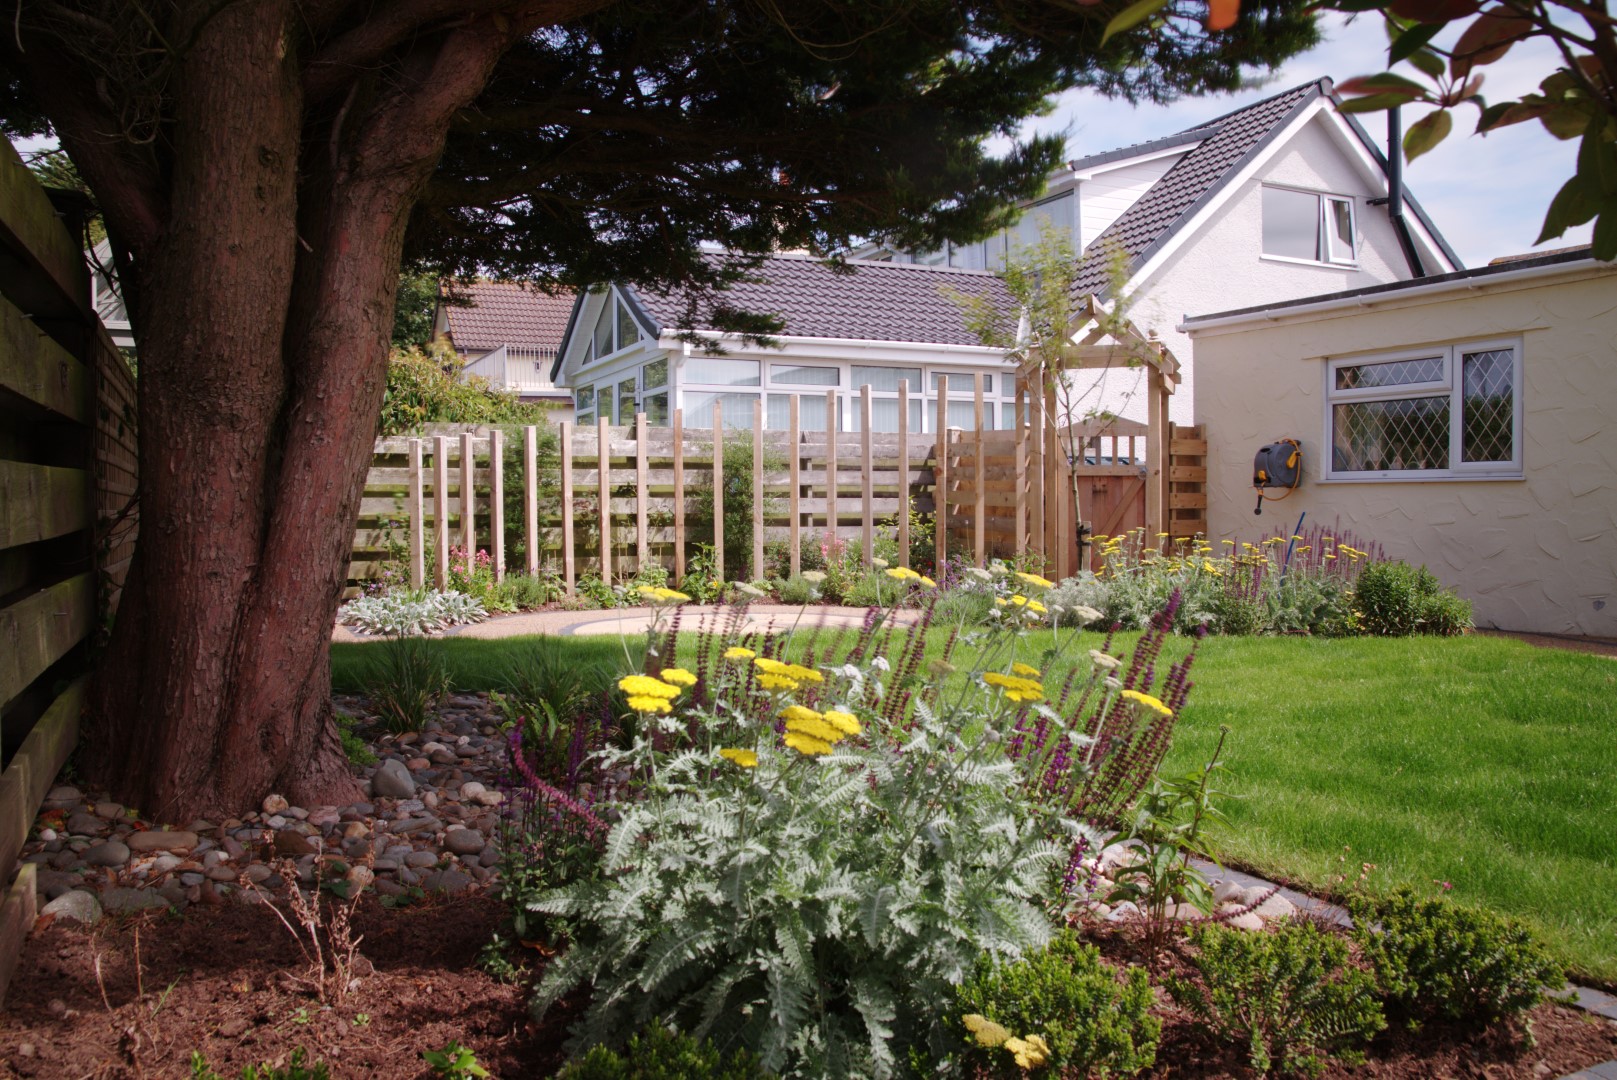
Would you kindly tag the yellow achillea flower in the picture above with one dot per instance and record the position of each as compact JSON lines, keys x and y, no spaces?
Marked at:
{"x":847,"y":723}
{"x":1036,"y":581}
{"x":802,"y":674}
{"x":1028,"y":605}
{"x":773,"y":667}
{"x":807,"y":745}
{"x":1029,"y":670}
{"x":1016,"y":688}
{"x":815,"y":728}
{"x":736,"y":652}
{"x":662,"y":595}
{"x":747,"y":759}
{"x":1153,"y":703}
{"x":678,"y":676}
{"x":928,"y":582}
{"x":646,"y":687}
{"x":650,"y":704}
{"x":1030,"y":1052}
{"x":776,"y":682}
{"x":902,"y":573}
{"x":986,"y":1032}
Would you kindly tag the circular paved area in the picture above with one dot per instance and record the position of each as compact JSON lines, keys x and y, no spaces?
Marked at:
{"x":760,"y":618}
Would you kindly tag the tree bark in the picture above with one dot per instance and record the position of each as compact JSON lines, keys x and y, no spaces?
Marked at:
{"x":265,"y":307}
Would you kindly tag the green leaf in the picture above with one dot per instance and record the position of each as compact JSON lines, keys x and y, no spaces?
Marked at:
{"x":1427,"y":61}
{"x":873,"y":913}
{"x":1132,"y":16}
{"x":1597,"y":158}
{"x":1571,"y":206}
{"x":1426,"y":133}
{"x":1373,"y":103}
{"x":1565,"y":121}
{"x":1409,"y":43}
{"x":1384,"y":83}
{"x":1604,"y":241}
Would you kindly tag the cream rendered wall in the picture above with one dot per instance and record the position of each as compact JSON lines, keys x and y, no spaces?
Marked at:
{"x":1104,"y":197}
{"x":1535,"y":554}
{"x":1221,"y":266}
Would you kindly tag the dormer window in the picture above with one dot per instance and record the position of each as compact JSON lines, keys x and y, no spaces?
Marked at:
{"x":1309,"y":226}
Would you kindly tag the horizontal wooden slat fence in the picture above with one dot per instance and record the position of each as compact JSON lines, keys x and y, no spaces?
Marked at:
{"x":67,"y":511}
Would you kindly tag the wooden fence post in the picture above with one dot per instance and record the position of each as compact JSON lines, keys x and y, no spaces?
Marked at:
{"x":718,"y":489}
{"x":940,"y":526}
{"x":569,"y":575}
{"x":758,"y":488}
{"x":604,"y":485}
{"x":1052,"y":483}
{"x":1021,"y":470}
{"x":679,"y":495}
{"x":418,"y":538}
{"x":530,"y":496}
{"x":1037,"y":496}
{"x":904,"y":473}
{"x":1155,"y":468}
{"x":468,"y":498}
{"x":642,"y":545}
{"x":496,"y":500}
{"x":794,"y":530}
{"x":980,"y":504}
{"x":830,"y":470}
{"x":867,"y":493}
{"x":440,"y":505}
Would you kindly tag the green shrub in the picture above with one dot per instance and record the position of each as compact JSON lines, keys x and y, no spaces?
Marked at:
{"x":1083,"y":591}
{"x":1397,"y":600}
{"x":355,"y":748}
{"x":1094,"y":1025}
{"x":546,"y":693}
{"x":963,"y":606}
{"x":1287,"y":995}
{"x":797,"y":590}
{"x":660,"y":1054}
{"x":1434,"y":957}
{"x":424,"y":387}
{"x":406,"y":681}
{"x":521,"y":592}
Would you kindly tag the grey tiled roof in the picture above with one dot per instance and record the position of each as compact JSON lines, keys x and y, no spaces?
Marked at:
{"x":870,"y":302}
{"x":507,"y":313}
{"x":1230,"y":142}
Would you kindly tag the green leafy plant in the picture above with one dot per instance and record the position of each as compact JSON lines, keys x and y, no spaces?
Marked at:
{"x":454,"y":1062}
{"x":545,"y":693}
{"x":1433,"y":957}
{"x":797,"y":590}
{"x":701,"y":581}
{"x":406,"y":681}
{"x":410,"y":612}
{"x":660,"y":1054}
{"x":1095,"y":1024}
{"x":357,"y":750}
{"x":524,"y":592}
{"x":1395,"y":600}
{"x":424,"y":386}
{"x":294,"y":1069}
{"x":1166,"y":828}
{"x":1289,"y":995}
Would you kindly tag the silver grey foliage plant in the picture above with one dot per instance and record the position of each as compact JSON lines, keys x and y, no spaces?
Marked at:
{"x":410,"y":612}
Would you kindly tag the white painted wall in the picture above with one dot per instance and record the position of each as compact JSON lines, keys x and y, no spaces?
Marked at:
{"x":1220,"y":265}
{"x":1537,"y":553}
{"x":1104,"y":197}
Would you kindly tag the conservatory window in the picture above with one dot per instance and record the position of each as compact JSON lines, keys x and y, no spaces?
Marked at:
{"x":717,"y":371}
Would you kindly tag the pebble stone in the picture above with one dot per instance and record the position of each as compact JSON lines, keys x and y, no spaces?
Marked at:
{"x":428,"y":824}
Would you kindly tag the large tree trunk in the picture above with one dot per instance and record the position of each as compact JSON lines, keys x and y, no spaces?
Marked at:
{"x":265,"y":309}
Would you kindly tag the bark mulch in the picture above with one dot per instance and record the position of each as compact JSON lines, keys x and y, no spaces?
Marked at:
{"x":215,"y":981}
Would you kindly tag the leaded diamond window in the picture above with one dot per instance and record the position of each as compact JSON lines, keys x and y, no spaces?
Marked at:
{"x":1489,"y":404}
{"x":1446,"y":412}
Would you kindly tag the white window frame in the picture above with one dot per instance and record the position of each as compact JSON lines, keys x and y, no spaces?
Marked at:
{"x":1323,"y":236}
{"x":1452,"y":386}
{"x":611,"y":308}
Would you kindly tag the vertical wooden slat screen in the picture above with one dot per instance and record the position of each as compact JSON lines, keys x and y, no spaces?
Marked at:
{"x":903,"y":473}
{"x":569,"y":571}
{"x":530,"y":496}
{"x":940,"y":524}
{"x":794,"y":468}
{"x":718,"y":488}
{"x":831,"y":467}
{"x":642,"y":551}
{"x":979,"y":480}
{"x":440,"y":506}
{"x":603,"y":455}
{"x":866,"y":476}
{"x":496,"y":501}
{"x":679,"y":494}
{"x":758,"y":489}
{"x":418,"y":554}
{"x":468,"y":497}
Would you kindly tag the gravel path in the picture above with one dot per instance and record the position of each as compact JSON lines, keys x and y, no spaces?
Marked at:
{"x":768,"y":618}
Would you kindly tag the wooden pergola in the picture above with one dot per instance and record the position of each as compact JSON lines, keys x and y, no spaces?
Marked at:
{"x":1100,"y":347}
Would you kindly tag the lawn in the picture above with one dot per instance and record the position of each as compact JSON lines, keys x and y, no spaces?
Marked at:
{"x":1480,"y":762}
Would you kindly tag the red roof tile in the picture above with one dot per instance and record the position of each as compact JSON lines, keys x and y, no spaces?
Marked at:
{"x":507,"y":313}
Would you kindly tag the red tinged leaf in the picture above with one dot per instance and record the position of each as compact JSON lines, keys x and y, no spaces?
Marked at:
{"x":1385,"y":83}
{"x":1487,"y":39}
{"x":1426,"y":133}
{"x":1221,"y":14}
{"x":1430,"y":11}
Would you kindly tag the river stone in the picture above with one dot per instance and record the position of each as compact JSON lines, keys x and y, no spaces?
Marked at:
{"x":62,"y":796}
{"x":421,"y":859}
{"x":121,"y":898}
{"x":1233,"y":915}
{"x":1226,"y":892}
{"x":464,"y":841}
{"x":110,"y":853}
{"x":162,"y":840}
{"x":164,"y":863}
{"x":109,"y":810}
{"x":392,"y":781}
{"x":82,"y":824}
{"x":77,"y":905}
{"x":1276,"y":907}
{"x":447,"y":881}
{"x":258,"y":873}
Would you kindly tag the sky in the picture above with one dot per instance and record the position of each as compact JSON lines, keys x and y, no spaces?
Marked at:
{"x":1487,"y":194}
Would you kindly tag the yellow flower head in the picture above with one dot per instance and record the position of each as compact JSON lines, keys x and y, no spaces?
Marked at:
{"x":650,"y":704}
{"x":1016,"y":687}
{"x":1153,"y":703}
{"x":807,"y":745}
{"x":815,"y":727}
{"x":1036,"y":581}
{"x":1030,"y":1052}
{"x":847,"y":723}
{"x":986,"y":1032}
{"x":766,"y":664}
{"x":747,"y":759}
{"x":902,"y":573}
{"x":928,"y":582}
{"x":662,"y":595}
{"x":1025,"y":669}
{"x":678,"y":676}
{"x":736,"y":652}
{"x":776,"y":682}
{"x":1028,"y":605}
{"x":646,"y":686}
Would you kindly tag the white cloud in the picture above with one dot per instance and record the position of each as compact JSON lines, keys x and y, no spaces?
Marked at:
{"x":1487,"y":194}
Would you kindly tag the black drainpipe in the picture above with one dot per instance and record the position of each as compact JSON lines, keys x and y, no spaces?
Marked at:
{"x":1395,"y":192}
